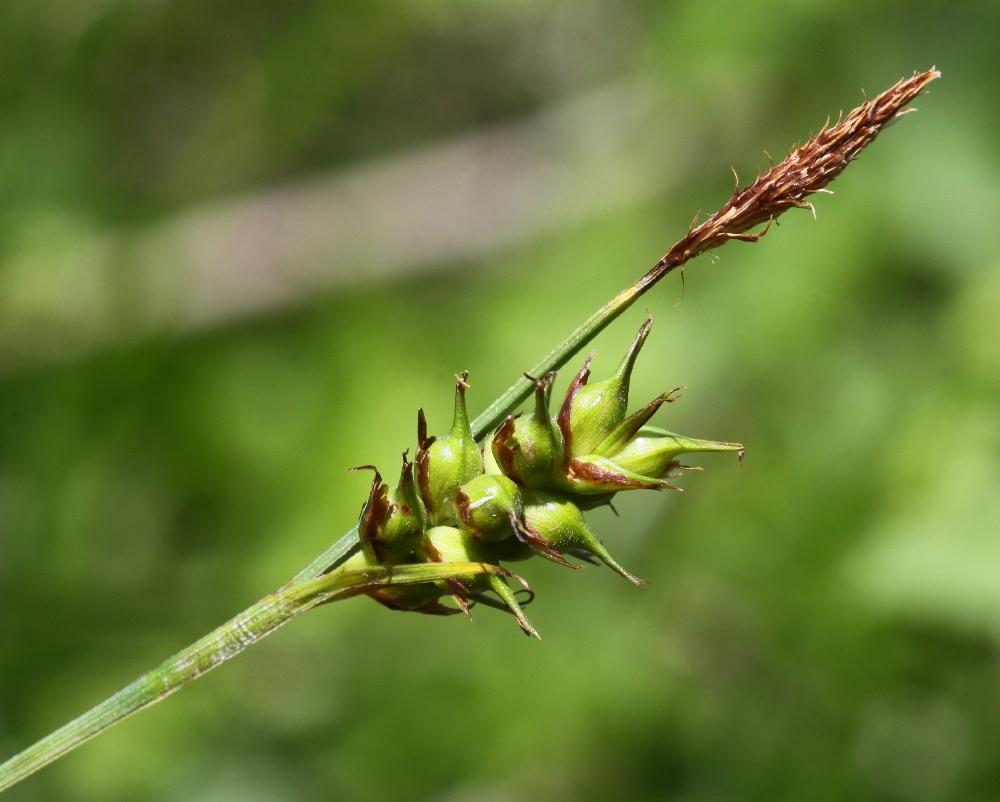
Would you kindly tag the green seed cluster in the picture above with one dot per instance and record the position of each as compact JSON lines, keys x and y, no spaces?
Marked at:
{"x":522,"y":494}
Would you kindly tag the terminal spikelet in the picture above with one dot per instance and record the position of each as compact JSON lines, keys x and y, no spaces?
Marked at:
{"x":807,"y":169}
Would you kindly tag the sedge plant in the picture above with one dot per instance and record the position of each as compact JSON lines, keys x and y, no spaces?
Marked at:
{"x":506,"y":487}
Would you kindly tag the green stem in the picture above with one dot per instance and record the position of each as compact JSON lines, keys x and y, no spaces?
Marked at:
{"x":227,"y":641}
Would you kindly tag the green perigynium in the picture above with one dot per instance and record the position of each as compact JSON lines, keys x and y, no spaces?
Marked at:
{"x":490,"y":507}
{"x":528,"y":446}
{"x":591,"y":412}
{"x":444,"y":464}
{"x":524,"y":493}
{"x":392,"y":521}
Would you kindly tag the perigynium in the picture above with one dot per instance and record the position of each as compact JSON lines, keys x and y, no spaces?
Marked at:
{"x":506,"y":487}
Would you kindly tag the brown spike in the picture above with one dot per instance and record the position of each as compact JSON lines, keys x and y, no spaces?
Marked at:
{"x":373,"y":515}
{"x":406,"y":474}
{"x":423,"y":441}
{"x":503,"y":453}
{"x":423,"y":464}
{"x":463,"y":605}
{"x":563,"y":420}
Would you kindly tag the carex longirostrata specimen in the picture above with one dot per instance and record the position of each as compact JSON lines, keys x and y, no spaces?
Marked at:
{"x":505,"y":487}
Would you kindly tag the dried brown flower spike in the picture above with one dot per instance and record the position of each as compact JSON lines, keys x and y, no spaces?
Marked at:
{"x":805,"y":171}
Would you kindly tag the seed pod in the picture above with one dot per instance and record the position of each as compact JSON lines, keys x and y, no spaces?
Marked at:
{"x":639,"y":464}
{"x":392,"y":520}
{"x":595,"y":476}
{"x":560,"y":524}
{"x":455,"y":546}
{"x":445,"y":464}
{"x":653,"y":452}
{"x":422,"y":598}
{"x":489,"y":507}
{"x":591,"y":412}
{"x":528,"y":449}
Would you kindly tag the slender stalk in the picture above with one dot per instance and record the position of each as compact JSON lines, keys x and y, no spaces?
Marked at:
{"x":806,"y":170}
{"x":227,"y":641}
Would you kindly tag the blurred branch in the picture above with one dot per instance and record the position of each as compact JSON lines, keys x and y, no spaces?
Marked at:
{"x":459,"y":200}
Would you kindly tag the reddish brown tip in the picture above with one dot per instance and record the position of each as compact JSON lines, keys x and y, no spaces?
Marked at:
{"x":806,"y":170}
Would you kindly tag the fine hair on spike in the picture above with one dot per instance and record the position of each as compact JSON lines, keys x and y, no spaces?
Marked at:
{"x":806,"y":170}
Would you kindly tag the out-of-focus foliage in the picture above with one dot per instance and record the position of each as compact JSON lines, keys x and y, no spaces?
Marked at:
{"x":822,"y":624}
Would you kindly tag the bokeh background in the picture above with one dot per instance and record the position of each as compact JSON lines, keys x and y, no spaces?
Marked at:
{"x":241,"y":243}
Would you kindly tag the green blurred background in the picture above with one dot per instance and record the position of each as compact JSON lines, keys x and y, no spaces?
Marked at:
{"x":241,"y":243}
